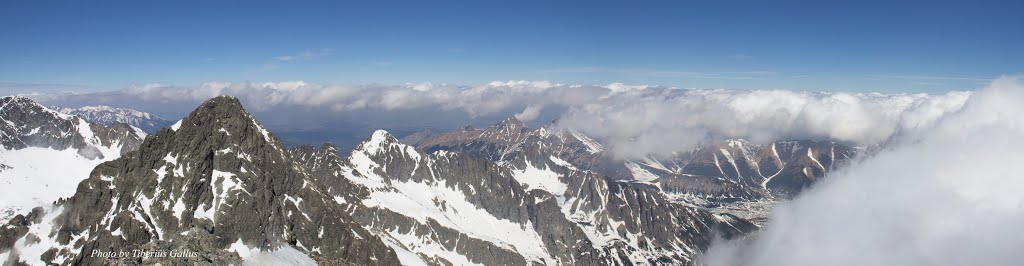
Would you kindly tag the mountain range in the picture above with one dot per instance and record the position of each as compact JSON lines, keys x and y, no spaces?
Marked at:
{"x":106,"y":115}
{"x":218,"y":186}
{"x":710,"y":176}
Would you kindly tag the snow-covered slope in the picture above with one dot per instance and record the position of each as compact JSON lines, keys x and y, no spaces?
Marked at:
{"x":45,"y":153}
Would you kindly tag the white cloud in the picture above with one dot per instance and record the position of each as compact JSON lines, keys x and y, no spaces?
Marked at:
{"x":633,"y":120}
{"x":918,"y":77}
{"x":661,"y":121}
{"x":667,"y":73}
{"x":946,"y":194}
{"x":530,"y":113}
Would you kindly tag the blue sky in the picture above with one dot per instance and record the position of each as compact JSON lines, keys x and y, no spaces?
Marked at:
{"x":919,"y":46}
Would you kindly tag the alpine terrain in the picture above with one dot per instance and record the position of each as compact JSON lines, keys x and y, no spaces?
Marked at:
{"x":219,"y":188}
{"x":46,"y":153}
{"x":719,"y":176}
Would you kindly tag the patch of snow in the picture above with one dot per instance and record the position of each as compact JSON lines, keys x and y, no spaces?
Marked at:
{"x":429,"y":248}
{"x":536,"y":178}
{"x":139,"y":132}
{"x":420,"y":201}
{"x":810,"y":154}
{"x":365,"y":166}
{"x":406,"y":257}
{"x":653,"y":162}
{"x":266,"y":134}
{"x":31,"y":250}
{"x":728,"y":158}
{"x":176,"y":125}
{"x":39,"y":176}
{"x":639,"y":173}
{"x":283,"y":255}
{"x":86,"y":131}
{"x":592,"y":145}
{"x":561,"y":162}
{"x":228,"y":182}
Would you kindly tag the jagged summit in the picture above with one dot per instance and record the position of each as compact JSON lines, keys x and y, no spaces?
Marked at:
{"x":223,"y":114}
{"x":17,"y":99}
{"x":511,"y":121}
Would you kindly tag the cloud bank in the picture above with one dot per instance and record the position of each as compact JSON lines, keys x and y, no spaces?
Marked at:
{"x":945,"y":195}
{"x":661,"y":121}
{"x":634,"y":120}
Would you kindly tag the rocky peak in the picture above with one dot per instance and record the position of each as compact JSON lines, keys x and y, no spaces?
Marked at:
{"x":511,"y":123}
{"x":380,"y":142}
{"x":16,"y":101}
{"x":215,"y":183}
{"x":511,"y":120}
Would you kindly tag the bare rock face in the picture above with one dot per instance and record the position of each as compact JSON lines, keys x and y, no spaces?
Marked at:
{"x":214,"y":183}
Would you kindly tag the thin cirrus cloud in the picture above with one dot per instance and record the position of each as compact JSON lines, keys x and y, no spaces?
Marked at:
{"x":739,"y":56}
{"x":304,"y":55}
{"x":946,"y":195}
{"x":930,"y":80}
{"x":635,"y":120}
{"x":667,"y":73}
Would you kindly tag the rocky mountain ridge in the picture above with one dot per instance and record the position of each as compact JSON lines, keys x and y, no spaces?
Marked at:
{"x":220,"y":187}
{"x":709,"y":176}
{"x":217,"y":184}
{"x":541,"y":209}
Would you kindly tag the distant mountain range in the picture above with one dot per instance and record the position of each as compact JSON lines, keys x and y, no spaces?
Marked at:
{"x":219,"y":185}
{"x":106,"y":115}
